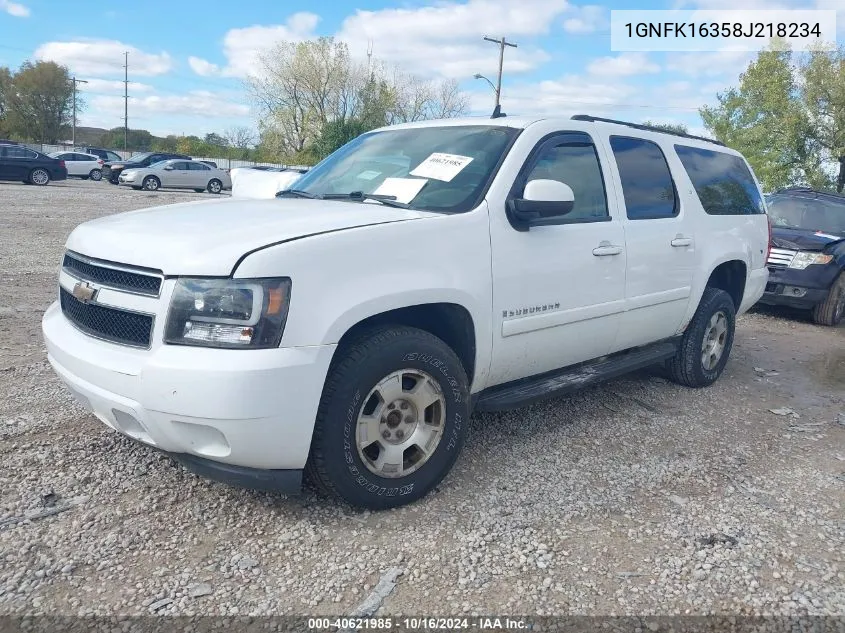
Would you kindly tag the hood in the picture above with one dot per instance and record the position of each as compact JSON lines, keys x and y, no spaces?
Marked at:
{"x":209,"y":237}
{"x":802,"y":239}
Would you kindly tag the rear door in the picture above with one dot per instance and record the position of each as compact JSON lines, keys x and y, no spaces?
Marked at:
{"x":660,"y":243}
{"x":198,"y":175}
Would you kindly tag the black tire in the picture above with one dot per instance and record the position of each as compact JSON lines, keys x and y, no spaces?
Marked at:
{"x":199,"y":190}
{"x":39,"y":176}
{"x":95,"y":175}
{"x":335,"y":463}
{"x":832,"y":310}
{"x":687,"y":366}
{"x":214,"y":186}
{"x":151,"y":183}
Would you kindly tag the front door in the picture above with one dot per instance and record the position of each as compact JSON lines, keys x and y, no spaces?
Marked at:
{"x":558,"y":289}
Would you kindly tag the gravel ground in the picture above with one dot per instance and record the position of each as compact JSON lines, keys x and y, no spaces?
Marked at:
{"x":637,"y":497}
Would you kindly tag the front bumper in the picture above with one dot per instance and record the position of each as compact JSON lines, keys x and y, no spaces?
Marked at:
{"x":241,"y":416}
{"x":801,"y":289}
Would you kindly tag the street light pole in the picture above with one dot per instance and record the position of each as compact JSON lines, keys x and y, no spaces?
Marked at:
{"x":502,"y":43}
{"x":73,"y":133}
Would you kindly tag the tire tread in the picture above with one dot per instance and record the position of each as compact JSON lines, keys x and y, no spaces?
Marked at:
{"x":825,"y":312}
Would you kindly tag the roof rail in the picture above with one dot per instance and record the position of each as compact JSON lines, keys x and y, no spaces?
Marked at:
{"x":640,"y":126}
{"x":805,"y":189}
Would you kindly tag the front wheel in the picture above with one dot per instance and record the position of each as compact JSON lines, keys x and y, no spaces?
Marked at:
{"x":832,"y":310}
{"x":215,"y":186}
{"x":39,"y":177}
{"x":151,"y":183}
{"x":392,"y":419}
{"x":707,"y":341}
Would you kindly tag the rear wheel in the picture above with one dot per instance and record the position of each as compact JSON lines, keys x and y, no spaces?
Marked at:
{"x":39,"y":176}
{"x":215,"y":186}
{"x":392,"y":418}
{"x":832,"y":310}
{"x":95,"y":174}
{"x":151,"y":183}
{"x":707,"y":341}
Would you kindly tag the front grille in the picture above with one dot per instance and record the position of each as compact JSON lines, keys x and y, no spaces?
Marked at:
{"x":110,"y":324}
{"x":781,"y":257}
{"x":113,"y":277}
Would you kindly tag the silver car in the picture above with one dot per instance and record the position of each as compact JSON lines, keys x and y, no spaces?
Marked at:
{"x":177,"y":174}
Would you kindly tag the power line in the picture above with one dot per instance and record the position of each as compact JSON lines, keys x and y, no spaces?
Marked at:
{"x":125,"y":100}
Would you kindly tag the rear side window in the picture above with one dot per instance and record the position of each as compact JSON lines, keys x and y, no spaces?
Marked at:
{"x":20,"y":152}
{"x":722,"y":181}
{"x":646,"y":181}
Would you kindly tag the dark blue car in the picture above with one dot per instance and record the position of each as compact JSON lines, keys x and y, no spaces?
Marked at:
{"x":807,"y":258}
{"x":21,"y":163}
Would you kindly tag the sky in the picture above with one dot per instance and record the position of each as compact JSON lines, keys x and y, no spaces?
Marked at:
{"x":188,"y":60}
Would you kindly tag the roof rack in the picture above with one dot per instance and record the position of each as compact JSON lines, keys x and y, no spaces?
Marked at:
{"x":640,"y":126}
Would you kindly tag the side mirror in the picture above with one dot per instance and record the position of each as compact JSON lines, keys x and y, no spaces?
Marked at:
{"x":541,"y":200}
{"x":168,"y":168}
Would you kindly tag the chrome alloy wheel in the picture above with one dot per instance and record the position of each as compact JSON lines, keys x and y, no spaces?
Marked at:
{"x":713,"y":345}
{"x":400,"y":423}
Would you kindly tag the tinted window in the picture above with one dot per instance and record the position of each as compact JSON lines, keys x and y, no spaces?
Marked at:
{"x":198,"y":167}
{"x":180,"y":165}
{"x":83,"y":157}
{"x":576,"y":165}
{"x":646,"y":181}
{"x":112,"y":156}
{"x":20,"y":152}
{"x":722,"y":181}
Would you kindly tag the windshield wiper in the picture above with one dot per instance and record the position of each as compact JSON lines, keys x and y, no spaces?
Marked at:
{"x":360,"y":196}
{"x":296,"y":192}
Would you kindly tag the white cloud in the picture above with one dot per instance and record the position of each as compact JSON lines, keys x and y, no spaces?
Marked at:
{"x":104,"y":57}
{"x":709,"y":63}
{"x":623,"y":65}
{"x":14,"y":8}
{"x":199,"y":103}
{"x":111,"y":86}
{"x":203,"y":67}
{"x":586,"y":19}
{"x":446,"y":38}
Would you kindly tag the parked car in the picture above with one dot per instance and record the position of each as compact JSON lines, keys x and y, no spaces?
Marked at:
{"x":177,"y":174}
{"x":18,"y":162}
{"x":807,"y":259}
{"x":105,"y":154}
{"x":111,"y":170}
{"x":253,"y":183}
{"x":351,"y":325}
{"x":81,"y":165}
{"x":210,"y":163}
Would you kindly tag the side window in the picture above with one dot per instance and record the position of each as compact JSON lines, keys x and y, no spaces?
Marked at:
{"x":722,"y":181}
{"x":646,"y":180}
{"x":65,"y":157}
{"x":113,"y":156}
{"x":20,"y":152}
{"x":576,"y":165}
{"x":198,"y":167}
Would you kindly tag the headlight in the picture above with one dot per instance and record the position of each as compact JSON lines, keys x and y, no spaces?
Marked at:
{"x":116,"y":166}
{"x":803,"y":259}
{"x":230,"y":313}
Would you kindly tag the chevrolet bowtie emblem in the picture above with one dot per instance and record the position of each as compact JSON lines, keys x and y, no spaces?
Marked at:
{"x":84,"y":292}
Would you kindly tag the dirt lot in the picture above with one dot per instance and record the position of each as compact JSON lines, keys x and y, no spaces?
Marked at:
{"x":637,"y":497}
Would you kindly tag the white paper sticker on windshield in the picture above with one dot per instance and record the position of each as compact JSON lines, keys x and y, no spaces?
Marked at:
{"x":441,"y":166}
{"x":369,"y":175}
{"x":827,"y":235}
{"x":405,"y":189}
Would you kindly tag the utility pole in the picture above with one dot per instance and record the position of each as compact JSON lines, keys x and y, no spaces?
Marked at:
{"x":125,"y":99}
{"x":502,"y":43}
{"x":73,"y":133}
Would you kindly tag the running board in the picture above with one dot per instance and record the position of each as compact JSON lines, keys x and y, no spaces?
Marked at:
{"x":560,"y":382}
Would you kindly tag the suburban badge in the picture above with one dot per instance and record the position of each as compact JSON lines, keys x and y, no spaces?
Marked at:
{"x":84,"y":292}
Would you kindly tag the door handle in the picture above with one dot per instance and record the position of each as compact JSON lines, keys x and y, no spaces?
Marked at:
{"x":681,"y":241}
{"x":606,"y":248}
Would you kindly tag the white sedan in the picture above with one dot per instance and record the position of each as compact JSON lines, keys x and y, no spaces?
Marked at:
{"x":177,"y":174}
{"x":81,"y":165}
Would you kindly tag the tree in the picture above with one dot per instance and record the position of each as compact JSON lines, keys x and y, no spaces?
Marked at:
{"x":669,"y":127}
{"x":239,"y":137}
{"x":214,"y":139}
{"x":5,"y":89}
{"x":137,"y":140}
{"x":40,"y":102}
{"x":302,"y":87}
{"x":787,"y":116}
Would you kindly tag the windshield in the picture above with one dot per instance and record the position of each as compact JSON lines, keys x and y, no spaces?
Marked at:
{"x":160,"y":164}
{"x":807,"y":213}
{"x":443,"y":169}
{"x":137,"y":158}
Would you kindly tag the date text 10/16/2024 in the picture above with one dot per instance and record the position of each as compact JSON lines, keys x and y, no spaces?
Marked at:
{"x":418,"y":624}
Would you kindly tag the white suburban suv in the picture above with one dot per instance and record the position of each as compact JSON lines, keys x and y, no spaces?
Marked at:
{"x":348,"y":328}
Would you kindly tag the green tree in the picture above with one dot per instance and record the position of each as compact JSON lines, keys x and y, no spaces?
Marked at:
{"x":40,"y":102}
{"x":5,"y":88}
{"x":137,"y":140}
{"x":669,"y":127}
{"x":215,"y":140}
{"x":787,"y":116}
